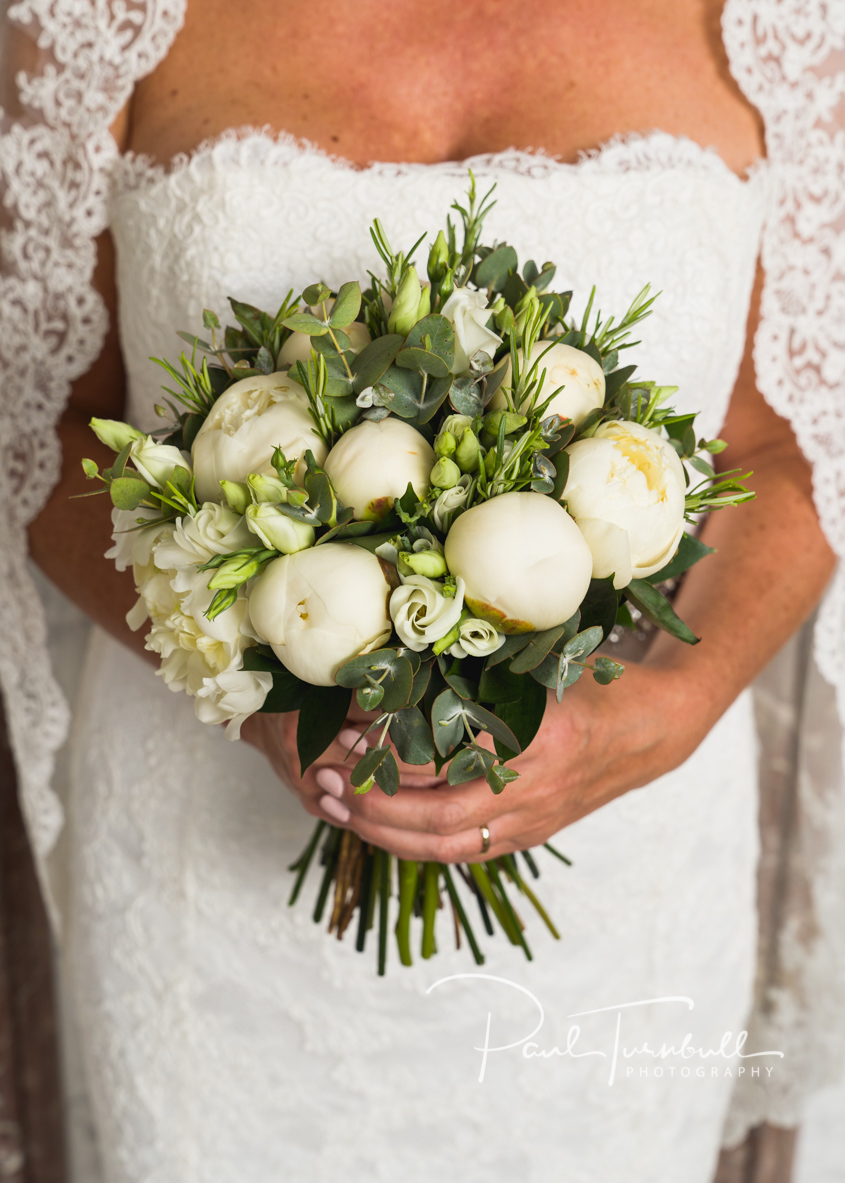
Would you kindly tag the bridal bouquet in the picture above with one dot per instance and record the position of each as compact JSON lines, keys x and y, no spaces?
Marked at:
{"x":440,"y":496}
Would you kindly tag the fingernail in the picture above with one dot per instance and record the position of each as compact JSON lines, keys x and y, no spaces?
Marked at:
{"x":335,"y":808}
{"x":331,"y":781}
{"x":349,"y":738}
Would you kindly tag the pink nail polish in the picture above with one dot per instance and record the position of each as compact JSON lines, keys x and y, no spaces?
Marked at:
{"x":331,"y":781}
{"x":350,"y":739}
{"x":335,"y":808}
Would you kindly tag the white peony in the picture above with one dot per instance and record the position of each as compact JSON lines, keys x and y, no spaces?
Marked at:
{"x":579,"y":374}
{"x":298,"y":346}
{"x":524,"y":561}
{"x":373,"y":463}
{"x":469,"y":314}
{"x":232,"y":697}
{"x":320,"y":607}
{"x":476,"y":638}
{"x":244,"y":427}
{"x":626,"y":491}
{"x":421,"y":613}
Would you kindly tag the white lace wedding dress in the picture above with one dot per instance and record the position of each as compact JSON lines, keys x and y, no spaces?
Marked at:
{"x":225,"y":1036}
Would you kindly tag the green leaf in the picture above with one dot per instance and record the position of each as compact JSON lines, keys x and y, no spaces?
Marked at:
{"x":90,"y":469}
{"x":583,"y":644}
{"x":406,"y":386}
{"x":541,"y":644}
{"x":500,"y":731}
{"x":701,"y":465}
{"x":316,"y":293}
{"x":374,"y":359}
{"x":433,"y":398}
{"x":304,"y":322}
{"x":434,"y":334}
{"x":465,"y":397}
{"x":321,"y":496}
{"x":195,"y":342}
{"x":348,"y":532}
{"x":209,"y":319}
{"x":689,"y":552}
{"x":287,"y":692}
{"x":387,"y":775}
{"x":447,"y":726}
{"x":493,"y":271}
{"x":656,"y":608}
{"x":423,"y":361}
{"x":470,"y":763}
{"x":499,"y":685}
{"x":607,"y":670}
{"x":421,"y":680}
{"x":120,"y":461}
{"x":614,"y":382}
{"x":561,"y":462}
{"x":498,"y":776}
{"x":128,"y":492}
{"x":321,"y":716}
{"x":599,"y":606}
{"x":366,"y":767}
{"x":393,"y":672}
{"x":523,"y":715}
{"x":369,"y":696}
{"x":346,"y":306}
{"x":412,"y":735}
{"x":513,"y":644}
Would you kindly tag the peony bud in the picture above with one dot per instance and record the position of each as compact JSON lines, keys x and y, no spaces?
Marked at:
{"x":524,"y":561}
{"x":445,"y":474}
{"x":374,"y":462}
{"x":278,"y":531}
{"x":245,"y":426}
{"x":320,"y":607}
{"x":579,"y":374}
{"x":114,"y":434}
{"x":236,"y":494}
{"x":469,"y":451}
{"x":626,"y":490}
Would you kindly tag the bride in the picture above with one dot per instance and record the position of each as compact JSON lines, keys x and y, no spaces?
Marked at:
{"x":225,"y":1037}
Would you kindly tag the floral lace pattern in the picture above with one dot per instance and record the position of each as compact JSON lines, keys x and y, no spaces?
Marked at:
{"x":56,"y":164}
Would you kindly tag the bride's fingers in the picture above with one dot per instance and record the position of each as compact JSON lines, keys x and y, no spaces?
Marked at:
{"x":462,"y":847}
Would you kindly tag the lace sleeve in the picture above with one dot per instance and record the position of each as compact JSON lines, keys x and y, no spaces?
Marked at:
{"x":69,"y":67}
{"x":788,"y":56}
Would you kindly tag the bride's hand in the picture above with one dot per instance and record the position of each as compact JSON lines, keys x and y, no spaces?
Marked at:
{"x":598,"y":743}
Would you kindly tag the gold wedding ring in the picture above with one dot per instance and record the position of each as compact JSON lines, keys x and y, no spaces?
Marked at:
{"x":485,"y":839}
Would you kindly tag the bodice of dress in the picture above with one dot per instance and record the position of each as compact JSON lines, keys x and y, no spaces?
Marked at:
{"x":252,"y":216}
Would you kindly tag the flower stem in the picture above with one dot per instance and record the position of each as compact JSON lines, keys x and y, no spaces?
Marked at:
{"x":384,"y":904}
{"x":462,"y":916}
{"x":304,"y":862}
{"x":430,"y":902}
{"x":408,"y":874}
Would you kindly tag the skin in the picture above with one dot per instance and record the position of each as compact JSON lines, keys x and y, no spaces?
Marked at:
{"x":537,"y":75}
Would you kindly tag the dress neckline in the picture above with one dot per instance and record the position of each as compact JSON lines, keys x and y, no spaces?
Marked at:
{"x":262,"y":146}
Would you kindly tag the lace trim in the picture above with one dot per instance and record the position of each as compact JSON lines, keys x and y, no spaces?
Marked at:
{"x":54,"y":167}
{"x":788,"y":56}
{"x":248,"y":146}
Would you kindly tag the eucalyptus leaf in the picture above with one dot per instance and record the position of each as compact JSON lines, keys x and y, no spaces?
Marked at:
{"x":374,"y":359}
{"x":127,"y":492}
{"x":470,"y":763}
{"x":412,"y":736}
{"x":656,"y":608}
{"x":433,"y":397}
{"x":465,"y":397}
{"x":537,"y":648}
{"x":499,"y":775}
{"x":346,"y":306}
{"x":423,"y":361}
{"x":606,"y":670}
{"x":512,"y":644}
{"x":447,"y":721}
{"x":493,"y":271}
{"x":434,"y":334}
{"x":304,"y":322}
{"x":583,"y":644}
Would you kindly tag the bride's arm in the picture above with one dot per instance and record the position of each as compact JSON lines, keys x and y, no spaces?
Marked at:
{"x":772,"y":565}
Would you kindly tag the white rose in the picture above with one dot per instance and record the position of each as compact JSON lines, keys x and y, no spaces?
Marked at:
{"x":476,"y":638}
{"x":277,"y":530}
{"x":155,"y":462}
{"x":373,"y":463}
{"x":524,"y":561}
{"x":244,"y":427}
{"x":421,"y":613}
{"x":626,"y":491}
{"x":231,"y":698}
{"x":320,"y":607}
{"x":469,"y":314}
{"x":298,"y":346}
{"x":579,"y":374}
{"x":449,"y":503}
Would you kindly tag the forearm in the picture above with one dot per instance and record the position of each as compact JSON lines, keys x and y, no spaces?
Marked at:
{"x":771,"y":566}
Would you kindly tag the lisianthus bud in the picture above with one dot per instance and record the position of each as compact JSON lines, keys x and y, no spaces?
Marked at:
{"x":524,"y":561}
{"x":277,"y":530}
{"x":236,"y":494}
{"x":445,"y":474}
{"x":266,"y":488}
{"x":374,"y":462}
{"x":321,"y":606}
{"x":155,"y":462}
{"x":626,"y":490}
{"x":469,"y":451}
{"x":430,"y":563}
{"x":114,"y":434}
{"x":234,"y":572}
{"x":406,"y":307}
{"x":445,"y":444}
{"x":579,"y":374}
{"x":526,"y":308}
{"x":438,"y":258}
{"x":469,"y":314}
{"x":421,"y":613}
{"x":244,"y":427}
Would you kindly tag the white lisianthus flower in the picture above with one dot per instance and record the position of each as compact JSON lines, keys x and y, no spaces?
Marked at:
{"x":155,"y":462}
{"x":298,"y":346}
{"x":450,"y":503}
{"x":626,"y":490}
{"x":373,"y":463}
{"x":524,"y":561}
{"x":320,"y":607}
{"x":231,"y":698}
{"x":469,"y":314}
{"x":133,"y":547}
{"x":421,"y":613}
{"x":476,"y":638}
{"x":244,"y":427}
{"x":277,"y":530}
{"x":196,"y":538}
{"x":580,"y":375}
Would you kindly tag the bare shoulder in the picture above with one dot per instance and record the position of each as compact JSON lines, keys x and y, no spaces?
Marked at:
{"x":389,"y":83}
